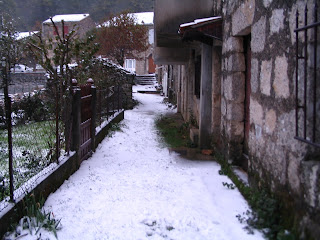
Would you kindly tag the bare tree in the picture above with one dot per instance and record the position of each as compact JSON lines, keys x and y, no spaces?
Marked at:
{"x":121,"y":36}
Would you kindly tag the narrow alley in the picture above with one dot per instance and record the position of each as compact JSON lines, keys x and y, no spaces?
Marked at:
{"x":134,"y":188}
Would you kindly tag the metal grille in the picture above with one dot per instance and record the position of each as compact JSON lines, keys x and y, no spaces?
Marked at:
{"x":307,"y":74}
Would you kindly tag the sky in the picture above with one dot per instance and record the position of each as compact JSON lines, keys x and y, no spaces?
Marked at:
{"x":133,"y":187}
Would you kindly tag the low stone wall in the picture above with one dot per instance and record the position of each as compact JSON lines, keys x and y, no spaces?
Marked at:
{"x":26,"y":82}
{"x":51,"y":182}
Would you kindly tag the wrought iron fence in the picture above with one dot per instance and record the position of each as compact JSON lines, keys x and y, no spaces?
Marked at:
{"x":109,"y":101}
{"x":28,"y":147}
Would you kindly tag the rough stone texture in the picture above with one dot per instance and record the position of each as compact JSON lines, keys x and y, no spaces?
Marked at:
{"x":293,"y":173}
{"x":236,"y":63}
{"x":234,"y":87}
{"x":265,"y":77}
{"x":276,"y":21}
{"x":267,"y":3}
{"x":237,"y":129}
{"x":281,"y":81}
{"x":258,"y":35}
{"x":26,"y":82}
{"x":235,"y":112}
{"x":242,"y":18}
{"x":256,"y":112}
{"x":271,"y":120}
{"x":254,"y":75}
{"x":223,"y":107}
{"x":233,"y":44}
{"x":310,"y":174}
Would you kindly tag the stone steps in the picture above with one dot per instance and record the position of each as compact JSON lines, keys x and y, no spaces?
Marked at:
{"x":148,"y":79}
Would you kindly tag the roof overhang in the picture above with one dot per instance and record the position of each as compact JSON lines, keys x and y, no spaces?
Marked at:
{"x":204,"y":30}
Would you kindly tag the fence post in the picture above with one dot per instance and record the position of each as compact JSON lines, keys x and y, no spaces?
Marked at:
{"x":76,"y":119}
{"x":7,"y":101}
{"x":93,"y":113}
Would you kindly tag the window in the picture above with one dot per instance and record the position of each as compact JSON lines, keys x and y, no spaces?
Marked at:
{"x":130,"y":65}
{"x":307,"y":80}
{"x":151,"y":36}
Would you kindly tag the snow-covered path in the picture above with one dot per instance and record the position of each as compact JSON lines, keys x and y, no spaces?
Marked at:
{"x":134,"y":188}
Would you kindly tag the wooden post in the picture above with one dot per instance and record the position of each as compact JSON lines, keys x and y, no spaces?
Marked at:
{"x":76,"y":117}
{"x":93,"y":113}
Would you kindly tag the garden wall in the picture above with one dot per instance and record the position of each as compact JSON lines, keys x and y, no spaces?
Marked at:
{"x":26,"y":82}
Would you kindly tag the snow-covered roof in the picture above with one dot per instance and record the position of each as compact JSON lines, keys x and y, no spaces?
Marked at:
{"x":199,"y":21}
{"x":68,"y":18}
{"x":145,"y":18}
{"x":22,"y":35}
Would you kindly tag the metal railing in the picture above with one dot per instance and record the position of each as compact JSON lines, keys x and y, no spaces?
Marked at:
{"x":307,"y":88}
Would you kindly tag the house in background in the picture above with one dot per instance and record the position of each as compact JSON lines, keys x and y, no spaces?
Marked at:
{"x":81,"y":23}
{"x":239,"y":69}
{"x":143,"y":63}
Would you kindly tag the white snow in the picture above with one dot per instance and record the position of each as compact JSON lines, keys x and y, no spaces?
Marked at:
{"x":145,"y":18}
{"x":134,"y":188}
{"x":22,"y":35}
{"x":198,"y":21}
{"x":68,"y":18}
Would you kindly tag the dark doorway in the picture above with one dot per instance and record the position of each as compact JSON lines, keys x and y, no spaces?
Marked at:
{"x":247,"y":55}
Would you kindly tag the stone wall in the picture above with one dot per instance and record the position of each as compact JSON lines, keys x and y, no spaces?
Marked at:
{"x":26,"y":82}
{"x":276,"y":158}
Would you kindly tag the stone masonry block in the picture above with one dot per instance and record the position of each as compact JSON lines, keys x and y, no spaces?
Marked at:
{"x":234,"y":88}
{"x":223,"y":107}
{"x":235,"y":112}
{"x":236,"y":63}
{"x":242,"y":18}
{"x":254,"y":75}
{"x":258,"y":35}
{"x":233,"y":44}
{"x":281,"y":80}
{"x":276,"y":21}
{"x":256,"y":112}
{"x":235,"y":131}
{"x":271,"y":120}
{"x":267,"y":3}
{"x":265,"y":77}
{"x":293,"y":173}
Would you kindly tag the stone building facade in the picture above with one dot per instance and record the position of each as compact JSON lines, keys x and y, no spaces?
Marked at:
{"x":143,"y":63}
{"x":251,"y":90}
{"x":80,"y":23}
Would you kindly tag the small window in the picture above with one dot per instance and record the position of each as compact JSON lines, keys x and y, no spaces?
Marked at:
{"x":130,"y":65}
{"x":151,"y":36}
